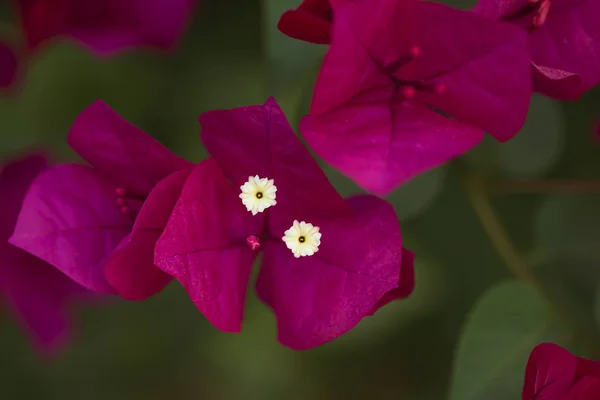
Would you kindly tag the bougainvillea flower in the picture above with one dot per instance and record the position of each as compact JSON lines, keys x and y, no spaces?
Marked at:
{"x":105,"y":26}
{"x":98,"y":224}
{"x":327,"y":261}
{"x":564,"y":40}
{"x":553,"y":373}
{"x":310,"y":22}
{"x":38,"y":293}
{"x":391,"y":66}
{"x":8,"y":65}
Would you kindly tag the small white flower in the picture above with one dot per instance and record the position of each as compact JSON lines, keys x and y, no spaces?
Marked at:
{"x":258,"y":194}
{"x":303,"y":239}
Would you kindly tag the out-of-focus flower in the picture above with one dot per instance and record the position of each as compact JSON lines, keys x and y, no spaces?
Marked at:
{"x":38,"y":294}
{"x":393,"y":73}
{"x":310,"y":22}
{"x":98,"y":224}
{"x":327,"y":261}
{"x":553,"y":373}
{"x":105,"y":26}
{"x":564,"y":41}
{"x":8,"y":65}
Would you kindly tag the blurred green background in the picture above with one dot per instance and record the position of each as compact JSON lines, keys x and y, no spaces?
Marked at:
{"x":466,"y":332}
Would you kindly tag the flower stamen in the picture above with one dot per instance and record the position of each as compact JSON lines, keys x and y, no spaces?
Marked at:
{"x":258,"y":194}
{"x":531,"y":15}
{"x":542,"y":13}
{"x":128,"y":204}
{"x":413,"y":53}
{"x":406,"y":88}
{"x":253,"y":242}
{"x":302,"y":238}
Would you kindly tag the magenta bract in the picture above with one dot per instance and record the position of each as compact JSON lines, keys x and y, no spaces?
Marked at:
{"x":98,"y":224}
{"x":564,"y":41}
{"x":553,"y":373}
{"x":211,"y":239}
{"x":310,"y":22}
{"x":38,"y":294}
{"x":105,"y":26}
{"x":8,"y":65}
{"x":392,"y":66}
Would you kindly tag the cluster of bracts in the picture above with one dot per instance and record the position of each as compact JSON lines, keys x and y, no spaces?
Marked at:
{"x":405,"y":86}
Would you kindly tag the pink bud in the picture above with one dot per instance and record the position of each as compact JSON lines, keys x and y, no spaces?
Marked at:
{"x":253,"y":242}
{"x":415,"y":51}
{"x":408,"y":92}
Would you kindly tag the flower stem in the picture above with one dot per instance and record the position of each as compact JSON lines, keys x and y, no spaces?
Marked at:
{"x":495,"y":231}
{"x":543,"y":186}
{"x":518,"y":266}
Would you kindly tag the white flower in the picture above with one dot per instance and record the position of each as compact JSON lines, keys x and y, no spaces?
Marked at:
{"x":258,"y":194}
{"x":303,"y":239}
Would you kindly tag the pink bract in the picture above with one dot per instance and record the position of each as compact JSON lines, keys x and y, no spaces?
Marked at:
{"x":8,"y":65}
{"x":103,"y":27}
{"x":564,"y":41}
{"x":210,"y":241}
{"x":392,"y":66}
{"x":310,"y":22}
{"x":38,"y":294}
{"x":98,"y":224}
{"x":553,"y":373}
{"x":106,"y":26}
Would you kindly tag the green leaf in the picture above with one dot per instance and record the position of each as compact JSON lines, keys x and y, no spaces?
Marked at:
{"x":567,"y":237}
{"x":533,"y":152}
{"x":292,"y":65}
{"x":597,"y":308}
{"x":344,"y":185}
{"x":258,"y":364}
{"x":538,"y":145}
{"x":286,"y":57}
{"x":410,"y":201}
{"x":416,"y":196}
{"x":581,"y":154}
{"x":462,"y":4}
{"x":567,"y":228}
{"x":430,"y":292}
{"x":502,"y":329}
{"x":295,"y":98}
{"x":67,"y":79}
{"x":215,"y":74}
